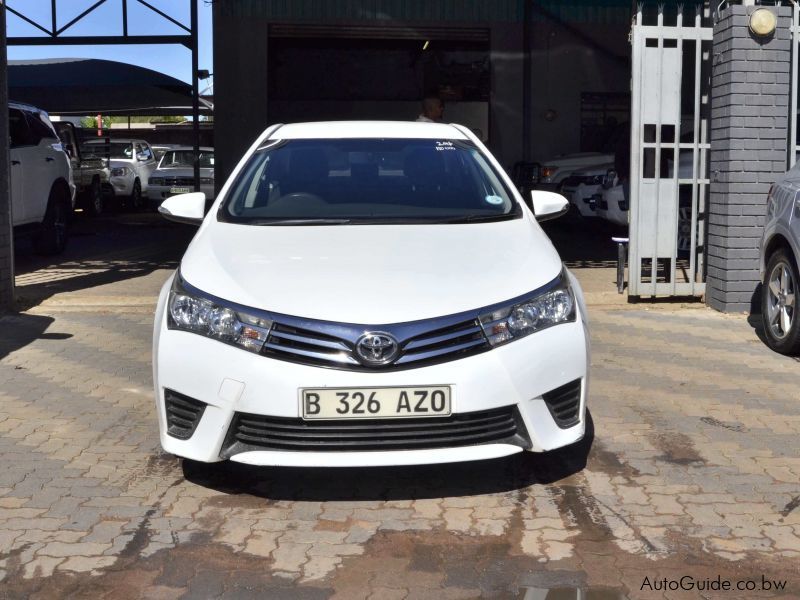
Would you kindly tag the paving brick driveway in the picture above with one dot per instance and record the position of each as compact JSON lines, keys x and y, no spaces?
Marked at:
{"x":693,"y":470}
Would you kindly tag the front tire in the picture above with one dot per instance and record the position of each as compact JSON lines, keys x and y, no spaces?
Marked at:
{"x":779,"y":303}
{"x":94,"y":200}
{"x":52,"y":236}
{"x":136,"y":196}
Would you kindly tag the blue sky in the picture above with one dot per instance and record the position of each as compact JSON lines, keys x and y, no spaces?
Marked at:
{"x":107,"y":20}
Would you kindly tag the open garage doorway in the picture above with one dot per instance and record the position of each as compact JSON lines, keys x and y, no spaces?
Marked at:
{"x":322,"y":73}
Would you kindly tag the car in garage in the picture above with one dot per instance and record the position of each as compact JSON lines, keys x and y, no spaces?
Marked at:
{"x":779,"y":255}
{"x":42,"y":189}
{"x":175,"y":174}
{"x":132,"y":162}
{"x":369,"y":294}
{"x":582,"y":186}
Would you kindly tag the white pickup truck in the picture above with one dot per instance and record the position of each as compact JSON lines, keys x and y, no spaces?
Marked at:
{"x":42,"y":190}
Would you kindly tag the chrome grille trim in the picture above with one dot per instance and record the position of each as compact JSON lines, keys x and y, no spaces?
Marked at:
{"x":334,"y":345}
{"x":331,"y":344}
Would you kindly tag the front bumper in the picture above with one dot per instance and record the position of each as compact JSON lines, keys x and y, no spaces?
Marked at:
{"x":228,"y":380}
{"x":122,"y":185}
{"x":581,"y":196}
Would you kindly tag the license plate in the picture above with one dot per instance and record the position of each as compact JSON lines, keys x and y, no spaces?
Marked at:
{"x":375,"y":403}
{"x":180,"y":190}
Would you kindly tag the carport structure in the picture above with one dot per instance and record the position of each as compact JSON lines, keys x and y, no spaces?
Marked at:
{"x":54,"y":33}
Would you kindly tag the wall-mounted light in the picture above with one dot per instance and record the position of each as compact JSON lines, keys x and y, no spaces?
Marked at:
{"x":763,"y":22}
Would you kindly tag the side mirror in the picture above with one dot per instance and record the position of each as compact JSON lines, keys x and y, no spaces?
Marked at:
{"x":548,"y":205}
{"x":185,"y":208}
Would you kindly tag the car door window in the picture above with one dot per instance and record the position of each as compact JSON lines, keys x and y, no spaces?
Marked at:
{"x":147,"y":153}
{"x":39,"y":129}
{"x":19,"y":132}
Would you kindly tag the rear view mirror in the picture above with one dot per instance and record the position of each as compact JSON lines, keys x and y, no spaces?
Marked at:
{"x":548,"y":205}
{"x":185,"y":208}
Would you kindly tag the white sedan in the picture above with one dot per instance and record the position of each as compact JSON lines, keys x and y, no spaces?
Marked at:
{"x":369,"y":294}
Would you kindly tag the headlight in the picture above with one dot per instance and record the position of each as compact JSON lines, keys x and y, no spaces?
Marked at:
{"x":207,"y":180}
{"x":556,"y":305}
{"x":120,"y":171}
{"x":191,"y":312}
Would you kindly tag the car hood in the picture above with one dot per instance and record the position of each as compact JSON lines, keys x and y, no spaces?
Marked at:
{"x":594,"y":170}
{"x":586,"y":159}
{"x":370,"y":274}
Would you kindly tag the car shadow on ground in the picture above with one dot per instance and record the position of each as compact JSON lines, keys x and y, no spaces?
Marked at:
{"x":393,"y":483}
{"x":104,"y":250}
{"x":17,"y":331}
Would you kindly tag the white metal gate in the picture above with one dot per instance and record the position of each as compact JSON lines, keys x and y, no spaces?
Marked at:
{"x":669,"y":154}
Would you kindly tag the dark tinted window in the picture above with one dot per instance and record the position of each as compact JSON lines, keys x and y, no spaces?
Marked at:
{"x":368,"y":180}
{"x":39,"y":129}
{"x":185,"y":158}
{"x":19,"y":132}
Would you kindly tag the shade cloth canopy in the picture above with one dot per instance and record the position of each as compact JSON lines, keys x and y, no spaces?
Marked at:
{"x":82,"y":86}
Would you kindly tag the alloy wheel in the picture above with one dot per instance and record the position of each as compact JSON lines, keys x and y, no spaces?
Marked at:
{"x":781,"y":300}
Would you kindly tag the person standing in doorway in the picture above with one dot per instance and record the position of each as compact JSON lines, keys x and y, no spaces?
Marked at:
{"x":432,"y":110}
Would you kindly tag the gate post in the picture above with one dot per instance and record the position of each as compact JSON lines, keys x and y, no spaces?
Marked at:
{"x":750,"y":90}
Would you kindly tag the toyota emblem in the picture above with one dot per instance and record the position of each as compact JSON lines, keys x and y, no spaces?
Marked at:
{"x":378,"y":348}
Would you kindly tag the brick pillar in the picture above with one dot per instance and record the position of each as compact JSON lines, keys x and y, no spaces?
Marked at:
{"x":6,"y":239}
{"x":750,"y":91}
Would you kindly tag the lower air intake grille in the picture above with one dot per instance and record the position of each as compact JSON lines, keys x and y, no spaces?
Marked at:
{"x":257,"y":432}
{"x":565,"y":403}
{"x":183,"y":414}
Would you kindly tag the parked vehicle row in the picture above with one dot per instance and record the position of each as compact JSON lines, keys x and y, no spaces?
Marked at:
{"x":53,"y":173}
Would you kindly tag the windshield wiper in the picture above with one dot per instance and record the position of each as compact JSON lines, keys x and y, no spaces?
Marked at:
{"x":476,"y":218}
{"x":298,"y":222}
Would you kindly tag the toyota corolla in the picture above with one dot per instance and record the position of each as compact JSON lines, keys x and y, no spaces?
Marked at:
{"x":365,"y":294}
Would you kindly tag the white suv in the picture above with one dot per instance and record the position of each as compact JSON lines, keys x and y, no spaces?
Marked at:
{"x":132,"y":163}
{"x":42,"y":190}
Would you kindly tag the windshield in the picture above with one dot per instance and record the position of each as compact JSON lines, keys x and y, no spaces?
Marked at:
{"x":338,"y":181}
{"x":112,"y":150}
{"x":185,"y":158}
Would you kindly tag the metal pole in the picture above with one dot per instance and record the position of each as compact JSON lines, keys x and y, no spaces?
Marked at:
{"x":6,"y":231}
{"x":195,"y":98}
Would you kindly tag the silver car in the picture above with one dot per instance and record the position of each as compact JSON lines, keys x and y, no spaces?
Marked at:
{"x":780,"y":249}
{"x":175,"y":174}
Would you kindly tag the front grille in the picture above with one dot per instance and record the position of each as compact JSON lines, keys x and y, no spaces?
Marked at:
{"x":183,"y":414}
{"x":564,"y":404}
{"x":311,"y":346}
{"x":256,"y":432}
{"x":183,"y":181}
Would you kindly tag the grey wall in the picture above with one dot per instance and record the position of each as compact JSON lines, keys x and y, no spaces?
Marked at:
{"x":749,"y":136}
{"x":240,"y":88}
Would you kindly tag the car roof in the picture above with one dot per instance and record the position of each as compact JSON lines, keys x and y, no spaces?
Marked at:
{"x":367,"y":129}
{"x":119,"y":141}
{"x":22,"y":105}
{"x":171,"y":148}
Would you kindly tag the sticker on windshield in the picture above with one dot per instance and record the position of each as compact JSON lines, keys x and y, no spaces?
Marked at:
{"x":445,"y":146}
{"x":494,"y":200}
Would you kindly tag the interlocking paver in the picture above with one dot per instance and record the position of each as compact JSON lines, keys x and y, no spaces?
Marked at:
{"x":695,"y":455}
